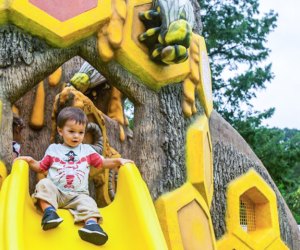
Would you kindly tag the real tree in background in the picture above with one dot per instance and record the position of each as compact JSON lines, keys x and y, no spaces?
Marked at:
{"x":235,"y":33}
{"x":279,"y":150}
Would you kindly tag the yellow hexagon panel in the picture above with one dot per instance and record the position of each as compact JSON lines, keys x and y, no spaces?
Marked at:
{"x":64,"y":10}
{"x":199,"y":159}
{"x":205,"y":86}
{"x":231,"y":242}
{"x":3,"y":11}
{"x":277,"y":245}
{"x":58,"y":25}
{"x":251,"y":214}
{"x":185,"y":219}
{"x":133,"y":56}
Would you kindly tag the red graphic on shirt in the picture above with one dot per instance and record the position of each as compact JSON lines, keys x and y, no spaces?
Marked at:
{"x":70,"y":170}
{"x":69,"y":179}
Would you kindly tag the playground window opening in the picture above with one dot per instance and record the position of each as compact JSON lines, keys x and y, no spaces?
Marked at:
{"x":247,"y":214}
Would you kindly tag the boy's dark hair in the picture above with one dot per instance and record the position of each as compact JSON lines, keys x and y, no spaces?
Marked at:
{"x":73,"y":114}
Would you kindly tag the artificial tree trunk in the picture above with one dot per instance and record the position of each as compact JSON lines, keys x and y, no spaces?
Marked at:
{"x":33,"y":60}
{"x":159,"y":125}
{"x":158,"y":145}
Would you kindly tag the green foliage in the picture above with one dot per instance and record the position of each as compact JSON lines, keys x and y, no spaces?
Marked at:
{"x":294,"y":202}
{"x":279,"y":150}
{"x":235,"y":34}
{"x":129,"y":112}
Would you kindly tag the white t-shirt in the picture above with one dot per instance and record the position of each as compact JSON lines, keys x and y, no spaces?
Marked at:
{"x":16,"y":148}
{"x":68,"y":168}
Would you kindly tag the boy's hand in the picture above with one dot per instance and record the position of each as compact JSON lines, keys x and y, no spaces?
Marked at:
{"x":28,"y":159}
{"x":115,"y":163}
{"x":124,"y":161}
{"x":33,"y":164}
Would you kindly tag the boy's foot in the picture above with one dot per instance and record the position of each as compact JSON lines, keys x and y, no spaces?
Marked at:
{"x":93,"y":233}
{"x":50,"y":220}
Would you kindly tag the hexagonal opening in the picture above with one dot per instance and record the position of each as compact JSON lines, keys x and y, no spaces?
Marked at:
{"x":255,"y":212}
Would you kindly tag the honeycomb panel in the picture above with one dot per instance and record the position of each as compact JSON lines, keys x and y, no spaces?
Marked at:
{"x":185,"y":219}
{"x":194,"y":227}
{"x":64,"y":10}
{"x":199,"y":158}
{"x":61,"y":24}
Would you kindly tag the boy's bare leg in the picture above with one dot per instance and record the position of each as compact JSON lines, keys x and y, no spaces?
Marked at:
{"x":44,"y":204}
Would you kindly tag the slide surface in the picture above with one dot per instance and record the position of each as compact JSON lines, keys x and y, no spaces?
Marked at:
{"x":130,"y":220}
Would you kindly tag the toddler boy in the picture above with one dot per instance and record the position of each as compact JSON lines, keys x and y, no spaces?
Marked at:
{"x":66,"y":185}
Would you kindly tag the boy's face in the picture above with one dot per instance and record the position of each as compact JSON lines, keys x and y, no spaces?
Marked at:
{"x":72,"y":133}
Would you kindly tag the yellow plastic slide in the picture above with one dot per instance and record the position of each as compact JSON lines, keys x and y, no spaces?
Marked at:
{"x":3,"y":173}
{"x":130,"y":220}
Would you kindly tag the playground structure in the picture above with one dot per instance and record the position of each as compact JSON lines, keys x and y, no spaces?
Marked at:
{"x":184,"y":217}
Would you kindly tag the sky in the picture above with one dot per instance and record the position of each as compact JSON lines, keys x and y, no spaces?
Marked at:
{"x":283,"y":92}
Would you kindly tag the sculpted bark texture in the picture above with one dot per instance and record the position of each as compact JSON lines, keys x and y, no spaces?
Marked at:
{"x":18,"y":47}
{"x":232,"y":158}
{"x":198,"y":27}
{"x":5,"y":129}
{"x":174,"y":126}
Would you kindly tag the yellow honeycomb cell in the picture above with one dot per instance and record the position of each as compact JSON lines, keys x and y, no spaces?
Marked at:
{"x":185,"y":219}
{"x":38,"y":22}
{"x":277,"y":245}
{"x":229,"y":242}
{"x":205,"y":86}
{"x":133,"y":55}
{"x":251,"y":214}
{"x":3,"y":11}
{"x":199,"y":158}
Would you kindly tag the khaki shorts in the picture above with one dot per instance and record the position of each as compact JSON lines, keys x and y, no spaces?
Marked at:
{"x":82,"y":206}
